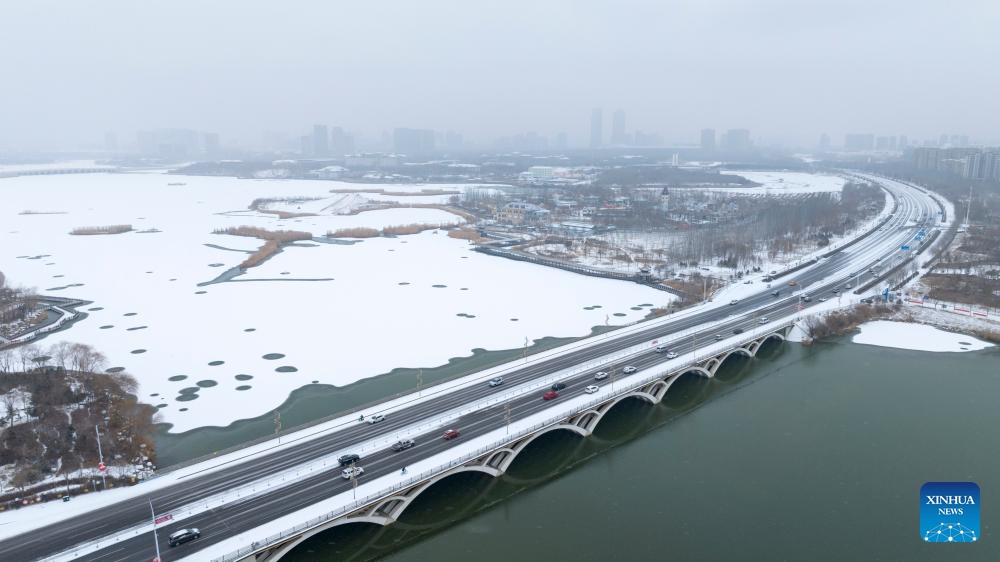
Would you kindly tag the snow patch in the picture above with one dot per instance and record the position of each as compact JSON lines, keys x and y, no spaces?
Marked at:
{"x":919,"y":337}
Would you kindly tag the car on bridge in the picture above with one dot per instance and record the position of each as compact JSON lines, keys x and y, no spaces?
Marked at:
{"x":718,"y":337}
{"x":775,"y":293}
{"x":403,"y":445}
{"x":558,"y":386}
{"x":347,"y":459}
{"x":351,"y":472}
{"x":451,"y":434}
{"x":737,"y":330}
{"x":671,"y":355}
{"x":592,"y":389}
{"x":734,"y":301}
{"x":629,"y":369}
{"x":550,"y":395}
{"x":375,"y":418}
{"x":763,"y":320}
{"x":496,"y":382}
{"x":792,"y":283}
{"x":183,"y":536}
{"x":600,"y":376}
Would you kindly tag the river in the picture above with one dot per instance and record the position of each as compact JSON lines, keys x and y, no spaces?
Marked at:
{"x":804,"y":453}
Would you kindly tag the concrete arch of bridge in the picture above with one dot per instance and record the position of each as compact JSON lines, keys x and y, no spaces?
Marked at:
{"x":371,"y":514}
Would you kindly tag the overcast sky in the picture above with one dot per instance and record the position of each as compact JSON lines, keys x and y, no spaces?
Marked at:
{"x":785,"y":69}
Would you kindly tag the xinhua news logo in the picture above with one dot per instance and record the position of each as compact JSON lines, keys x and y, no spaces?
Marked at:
{"x":949,"y":512}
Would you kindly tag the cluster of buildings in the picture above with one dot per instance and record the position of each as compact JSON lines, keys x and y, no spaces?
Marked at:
{"x":967,"y":162}
{"x":733,"y":140}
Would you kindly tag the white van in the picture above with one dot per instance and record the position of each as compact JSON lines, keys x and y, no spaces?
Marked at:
{"x":662,"y":348}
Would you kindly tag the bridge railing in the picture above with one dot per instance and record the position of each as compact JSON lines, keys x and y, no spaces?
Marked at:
{"x":627,"y":386}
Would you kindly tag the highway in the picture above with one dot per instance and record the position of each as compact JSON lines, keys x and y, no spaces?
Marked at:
{"x":848,"y":266}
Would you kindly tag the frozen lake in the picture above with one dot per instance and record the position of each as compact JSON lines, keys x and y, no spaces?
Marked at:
{"x":315,"y":313}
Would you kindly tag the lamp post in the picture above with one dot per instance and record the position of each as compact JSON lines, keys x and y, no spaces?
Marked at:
{"x":100,"y":457}
{"x":156,"y":539}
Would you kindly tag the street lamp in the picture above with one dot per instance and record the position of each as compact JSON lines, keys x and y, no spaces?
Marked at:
{"x":156,"y":539}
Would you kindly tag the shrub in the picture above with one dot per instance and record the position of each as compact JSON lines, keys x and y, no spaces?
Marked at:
{"x":110,"y":229}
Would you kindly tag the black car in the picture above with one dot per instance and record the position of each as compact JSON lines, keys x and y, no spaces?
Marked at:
{"x":183,"y":536}
{"x":558,"y":386}
{"x":738,"y":330}
{"x":345,"y":460}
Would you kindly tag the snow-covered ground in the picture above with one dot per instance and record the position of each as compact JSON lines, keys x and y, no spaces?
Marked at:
{"x":917,"y":337}
{"x":331,"y":313}
{"x":784,"y":183}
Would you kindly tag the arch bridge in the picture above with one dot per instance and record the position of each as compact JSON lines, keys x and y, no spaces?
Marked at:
{"x":387,"y":509}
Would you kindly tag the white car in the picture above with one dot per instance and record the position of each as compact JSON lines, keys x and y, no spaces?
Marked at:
{"x":734,"y":301}
{"x":375,"y":418}
{"x":351,"y":472}
{"x":496,"y":382}
{"x":629,"y":369}
{"x":600,"y":376}
{"x":671,"y":355}
{"x":763,"y":320}
{"x":592,"y":389}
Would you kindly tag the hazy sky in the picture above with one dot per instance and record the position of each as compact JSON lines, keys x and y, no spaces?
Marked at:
{"x":786,"y":69}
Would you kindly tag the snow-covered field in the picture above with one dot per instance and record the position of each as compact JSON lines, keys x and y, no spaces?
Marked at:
{"x":329,"y":313}
{"x":918,"y":337}
{"x":784,"y":183}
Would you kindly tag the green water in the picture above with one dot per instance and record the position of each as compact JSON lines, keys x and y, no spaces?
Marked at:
{"x":812,"y":453}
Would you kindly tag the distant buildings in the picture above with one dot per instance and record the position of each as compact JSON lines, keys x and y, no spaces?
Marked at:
{"x":596,"y":127}
{"x":824,"y":142}
{"x":618,"y":129}
{"x":737,"y":140}
{"x":518,"y":212}
{"x":171,"y":143}
{"x":859,"y":142}
{"x":708,"y":139}
{"x":321,"y":141}
{"x":970,"y":163}
{"x":413,"y":141}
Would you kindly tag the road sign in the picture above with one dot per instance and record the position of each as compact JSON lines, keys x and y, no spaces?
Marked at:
{"x":163,"y":518}
{"x":904,"y":247}
{"x":101,"y":466}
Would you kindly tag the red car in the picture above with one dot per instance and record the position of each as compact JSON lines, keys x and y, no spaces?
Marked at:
{"x":550,"y":395}
{"x":451,"y":434}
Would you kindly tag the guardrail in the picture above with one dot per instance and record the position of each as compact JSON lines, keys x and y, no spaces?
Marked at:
{"x":426,"y":475}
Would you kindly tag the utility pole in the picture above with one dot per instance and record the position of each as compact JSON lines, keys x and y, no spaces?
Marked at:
{"x":525,"y":356}
{"x":100,"y":456}
{"x":420,"y":381}
{"x":354,"y":479}
{"x":156,"y":540}
{"x":277,"y":424}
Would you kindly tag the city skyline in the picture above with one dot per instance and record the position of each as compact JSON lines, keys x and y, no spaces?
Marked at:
{"x":498,"y":70}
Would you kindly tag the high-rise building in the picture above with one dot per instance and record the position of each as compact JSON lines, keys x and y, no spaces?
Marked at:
{"x":859,"y":141}
{"x":902,"y":142}
{"x":169,"y":143}
{"x":881,"y":143}
{"x":321,"y":141}
{"x":413,"y":141}
{"x":596,"y":128}
{"x":341,"y":142}
{"x":737,"y":140}
{"x":110,"y":141}
{"x":824,"y":142}
{"x":708,"y":139}
{"x":618,"y":128}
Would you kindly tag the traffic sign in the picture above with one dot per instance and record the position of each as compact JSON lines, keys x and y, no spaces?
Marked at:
{"x":101,"y":466}
{"x":162,"y":518}
{"x":904,"y":247}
